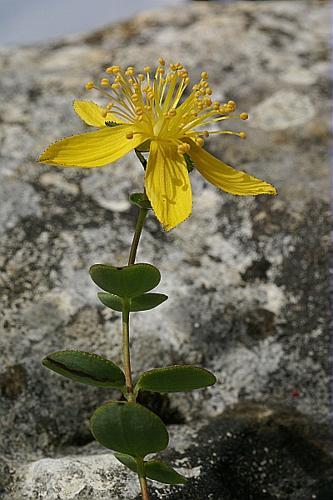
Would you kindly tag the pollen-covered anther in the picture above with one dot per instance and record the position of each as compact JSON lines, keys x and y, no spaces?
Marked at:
{"x":141,"y":77}
{"x":161,"y":61}
{"x":105,"y":82}
{"x":183,"y":148}
{"x":89,"y":85}
{"x":109,"y":106}
{"x":242,"y":135}
{"x":205,"y":133}
{"x":232,"y":105}
{"x":199,"y":141}
{"x":129,"y":135}
{"x":204,"y":75}
{"x":147,"y":69}
{"x":116,"y":86}
{"x":243,"y":116}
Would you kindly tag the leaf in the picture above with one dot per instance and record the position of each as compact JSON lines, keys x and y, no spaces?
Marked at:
{"x":154,"y":469}
{"x":85,"y":367}
{"x":127,"y":460}
{"x":128,"y":281}
{"x":129,"y":428}
{"x":147,"y":301}
{"x":110,"y":300}
{"x":177,"y":378}
{"x":140,"y":303}
{"x":141,"y":200}
{"x":164,"y":473}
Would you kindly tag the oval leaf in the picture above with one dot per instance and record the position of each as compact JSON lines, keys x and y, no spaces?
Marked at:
{"x":128,"y":281}
{"x":141,"y":303}
{"x":154,"y":469}
{"x":85,"y":367}
{"x":129,"y":428}
{"x":147,"y":301}
{"x":177,"y":378}
{"x":110,"y":300}
{"x":128,"y":461}
{"x":164,"y":473}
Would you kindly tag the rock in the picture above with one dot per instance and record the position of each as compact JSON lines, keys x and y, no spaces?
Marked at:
{"x":253,"y":451}
{"x":247,"y":279}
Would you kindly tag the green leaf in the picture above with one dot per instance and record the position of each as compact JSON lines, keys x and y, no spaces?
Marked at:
{"x":177,"y":378}
{"x":164,"y":473}
{"x":86,"y":368}
{"x":147,"y":301}
{"x":141,"y":303}
{"x":141,"y":200}
{"x":128,"y":461}
{"x":154,"y":469}
{"x":110,"y":300}
{"x":128,"y":281}
{"x":129,"y":428}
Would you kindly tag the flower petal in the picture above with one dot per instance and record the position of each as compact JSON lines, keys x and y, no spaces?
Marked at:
{"x":227,"y":178}
{"x":91,"y":113}
{"x":168,"y":185}
{"x":92,"y":149}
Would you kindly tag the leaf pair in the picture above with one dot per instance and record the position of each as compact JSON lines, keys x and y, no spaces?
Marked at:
{"x":133,"y":432}
{"x":130,"y":284}
{"x":92,"y":369}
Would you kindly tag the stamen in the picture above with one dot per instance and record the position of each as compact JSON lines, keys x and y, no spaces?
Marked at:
{"x":89,"y":85}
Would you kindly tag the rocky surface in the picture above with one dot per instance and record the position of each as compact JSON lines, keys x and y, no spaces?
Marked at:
{"x":247,"y":279}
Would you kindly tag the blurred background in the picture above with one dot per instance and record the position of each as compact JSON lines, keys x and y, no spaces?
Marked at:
{"x":32,"y":21}
{"x":26,"y":22}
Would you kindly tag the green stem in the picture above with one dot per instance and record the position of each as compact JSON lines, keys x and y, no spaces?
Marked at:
{"x":126,"y":309}
{"x":142,"y":479}
{"x":131,"y":396}
{"x":136,"y":238}
{"x":126,"y":352}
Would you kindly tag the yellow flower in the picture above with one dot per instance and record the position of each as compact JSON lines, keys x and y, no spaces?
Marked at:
{"x":148,"y":110}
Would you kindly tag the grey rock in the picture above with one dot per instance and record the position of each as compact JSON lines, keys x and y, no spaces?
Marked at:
{"x":247,"y":279}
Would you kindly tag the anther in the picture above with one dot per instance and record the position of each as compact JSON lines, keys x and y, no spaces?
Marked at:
{"x":242,"y":135}
{"x":183,"y":148}
{"x":146,"y":69}
{"x":161,"y":61}
{"x":89,"y":85}
{"x":243,"y":116}
{"x":129,"y":135}
{"x":199,"y":141}
{"x":105,"y":82}
{"x":232,"y":105}
{"x":204,"y":75}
